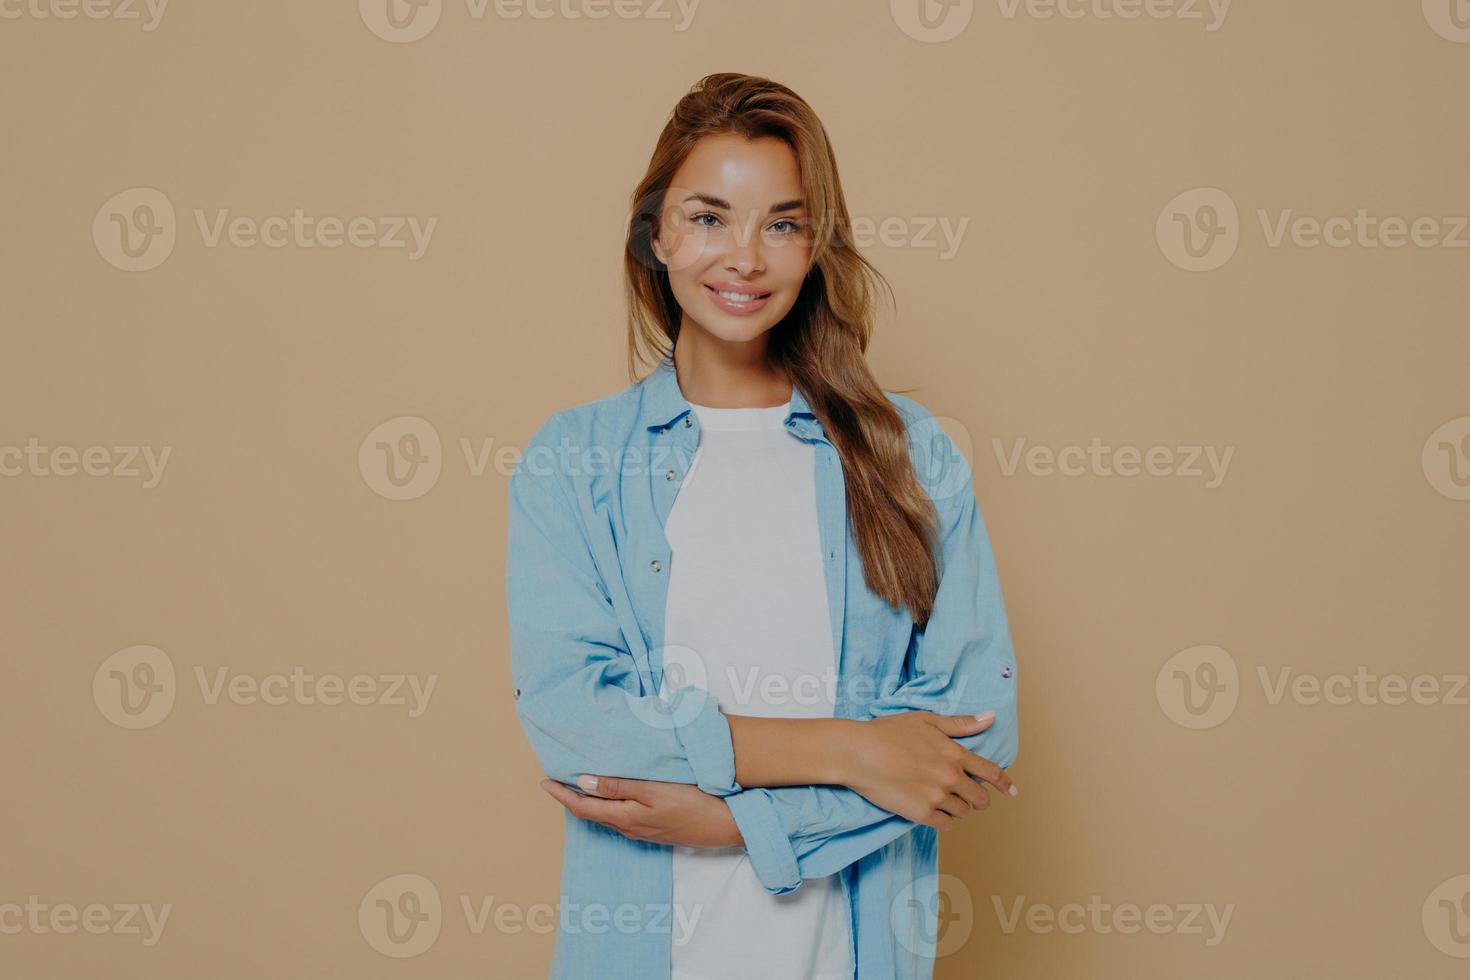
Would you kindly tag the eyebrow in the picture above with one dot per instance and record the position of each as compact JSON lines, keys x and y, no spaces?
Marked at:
{"x":724,"y":205}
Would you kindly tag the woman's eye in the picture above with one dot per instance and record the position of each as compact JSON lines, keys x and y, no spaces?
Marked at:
{"x":704,"y":214}
{"x":792,"y":227}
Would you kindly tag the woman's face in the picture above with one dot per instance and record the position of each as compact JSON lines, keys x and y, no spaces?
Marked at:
{"x":734,"y":236}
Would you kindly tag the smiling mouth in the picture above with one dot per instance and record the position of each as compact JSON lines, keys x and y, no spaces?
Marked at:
{"x":735,"y":297}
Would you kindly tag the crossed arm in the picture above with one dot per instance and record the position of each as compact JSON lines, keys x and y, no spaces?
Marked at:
{"x":806,"y":797}
{"x":914,"y":768}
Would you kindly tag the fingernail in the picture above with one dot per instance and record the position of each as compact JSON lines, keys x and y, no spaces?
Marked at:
{"x":985,"y":716}
{"x":1014,"y":789}
{"x":588,"y":783}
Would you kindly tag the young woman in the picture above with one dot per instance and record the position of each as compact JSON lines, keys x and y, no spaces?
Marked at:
{"x":754,"y":612}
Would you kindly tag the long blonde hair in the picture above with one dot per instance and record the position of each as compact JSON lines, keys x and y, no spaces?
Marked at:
{"x":820,"y":344}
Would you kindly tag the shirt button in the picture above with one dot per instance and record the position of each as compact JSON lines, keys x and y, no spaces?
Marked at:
{"x":1005,"y":672}
{"x":656,"y":565}
{"x":670,"y":475}
{"x":517,"y":693}
{"x":688,"y":421}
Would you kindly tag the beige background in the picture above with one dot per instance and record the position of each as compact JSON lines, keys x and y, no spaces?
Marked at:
{"x":1334,"y":542}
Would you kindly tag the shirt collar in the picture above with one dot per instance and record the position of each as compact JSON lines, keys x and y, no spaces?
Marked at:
{"x":663,"y":401}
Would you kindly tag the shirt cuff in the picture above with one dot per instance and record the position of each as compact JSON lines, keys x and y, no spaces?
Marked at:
{"x":771,"y":854}
{"x":707,"y":743}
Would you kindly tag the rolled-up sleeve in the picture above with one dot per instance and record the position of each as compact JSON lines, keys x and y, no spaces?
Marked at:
{"x":577,"y":690}
{"x":961,"y":662}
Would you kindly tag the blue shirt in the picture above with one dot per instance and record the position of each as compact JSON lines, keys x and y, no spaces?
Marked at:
{"x":587,"y":573}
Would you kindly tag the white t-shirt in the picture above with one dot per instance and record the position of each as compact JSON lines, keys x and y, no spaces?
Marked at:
{"x":747,"y":620}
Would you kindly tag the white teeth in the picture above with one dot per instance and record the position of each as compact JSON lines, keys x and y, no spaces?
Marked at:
{"x":737,"y":297}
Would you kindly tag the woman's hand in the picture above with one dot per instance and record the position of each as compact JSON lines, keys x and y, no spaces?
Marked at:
{"x":664,"y":813}
{"x":910,"y":763}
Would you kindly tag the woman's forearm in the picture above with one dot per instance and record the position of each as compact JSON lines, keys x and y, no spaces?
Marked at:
{"x":790,"y":751}
{"x":898,"y":762}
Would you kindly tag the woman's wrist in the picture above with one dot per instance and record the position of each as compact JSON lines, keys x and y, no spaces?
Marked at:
{"x":841,"y":738}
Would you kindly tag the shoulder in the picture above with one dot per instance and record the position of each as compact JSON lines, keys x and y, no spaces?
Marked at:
{"x":577,"y":445}
{"x":911,"y":409}
{"x":921,"y":425}
{"x":591,"y":422}
{"x":942,"y":467}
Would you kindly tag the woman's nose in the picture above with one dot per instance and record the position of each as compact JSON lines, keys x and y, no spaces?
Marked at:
{"x":745,"y":257}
